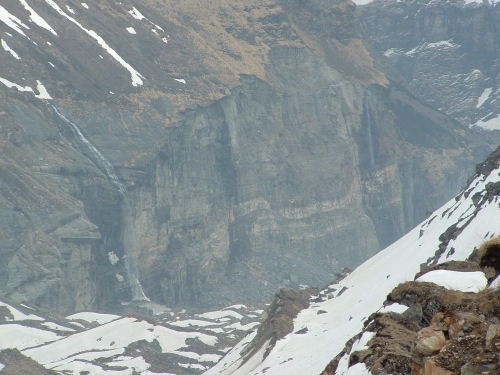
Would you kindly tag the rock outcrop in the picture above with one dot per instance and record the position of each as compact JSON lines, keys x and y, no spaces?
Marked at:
{"x":442,"y":331}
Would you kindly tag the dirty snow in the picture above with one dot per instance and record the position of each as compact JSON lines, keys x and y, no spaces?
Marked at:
{"x":213,"y":315}
{"x":7,"y":49}
{"x":135,"y":75}
{"x":36,"y":19}
{"x":57,"y":327}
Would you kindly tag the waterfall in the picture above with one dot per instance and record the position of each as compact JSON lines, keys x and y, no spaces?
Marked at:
{"x":128,"y":229}
{"x":370,"y":137}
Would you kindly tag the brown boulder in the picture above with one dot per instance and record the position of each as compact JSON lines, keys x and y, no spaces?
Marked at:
{"x":430,"y":340}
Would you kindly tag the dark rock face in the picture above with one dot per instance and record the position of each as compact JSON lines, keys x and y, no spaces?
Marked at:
{"x":284,"y":158}
{"x":445,"y":51}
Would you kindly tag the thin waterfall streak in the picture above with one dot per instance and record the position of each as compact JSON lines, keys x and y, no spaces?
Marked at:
{"x":128,"y":230}
{"x":370,"y":137}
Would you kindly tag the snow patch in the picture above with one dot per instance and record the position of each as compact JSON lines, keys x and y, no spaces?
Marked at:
{"x":20,"y":337}
{"x":42,"y":91}
{"x":92,"y":317}
{"x":36,"y":19}
{"x":85,"y":5}
{"x":454,"y":280}
{"x":113,"y":258}
{"x":484,"y":97}
{"x":136,"y":14}
{"x":491,"y":124}
{"x":18,"y":315}
{"x":12,"y":21}
{"x":7,"y":49}
{"x":71,"y":10}
{"x":394,"y":308}
{"x":181,"y":80}
{"x":131,"y":30}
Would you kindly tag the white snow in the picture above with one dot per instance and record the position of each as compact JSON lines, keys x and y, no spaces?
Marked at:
{"x":18,"y":315}
{"x":135,"y":75}
{"x":300,"y":354}
{"x":93,"y":317}
{"x":491,"y":124}
{"x":42,"y":91}
{"x":362,"y":2}
{"x":85,"y":5}
{"x":71,"y":10}
{"x":131,"y":30}
{"x":7,"y":49}
{"x":113,"y":258}
{"x":36,"y":19}
{"x":181,"y":80}
{"x":57,"y":327}
{"x":193,"y":322}
{"x":136,"y":14}
{"x":484,"y":97}
{"x":394,"y":307}
{"x":10,"y":84}
{"x":52,"y":65}
{"x":21,"y":337}
{"x":213,"y":315}
{"x":12,"y":21}
{"x":454,"y":280}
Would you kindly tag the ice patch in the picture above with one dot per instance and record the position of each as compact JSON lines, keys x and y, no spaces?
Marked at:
{"x":131,"y":30}
{"x":135,"y":75}
{"x":7,"y":49}
{"x":454,"y":280}
{"x":12,"y":21}
{"x":484,"y":97}
{"x":36,"y":19}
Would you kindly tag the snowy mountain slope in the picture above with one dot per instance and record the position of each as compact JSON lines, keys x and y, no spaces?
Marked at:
{"x":111,"y":344}
{"x":450,"y":233}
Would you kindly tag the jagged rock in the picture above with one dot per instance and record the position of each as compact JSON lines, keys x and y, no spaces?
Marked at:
{"x":492,"y":333}
{"x":430,"y":340}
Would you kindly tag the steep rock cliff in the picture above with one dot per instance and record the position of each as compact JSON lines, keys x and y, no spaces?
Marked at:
{"x":256,"y":145}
